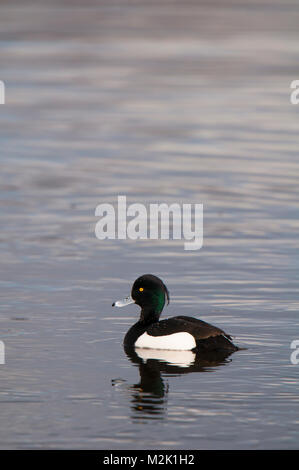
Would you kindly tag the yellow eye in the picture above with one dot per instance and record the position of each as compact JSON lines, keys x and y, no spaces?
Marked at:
{"x":140,"y":289}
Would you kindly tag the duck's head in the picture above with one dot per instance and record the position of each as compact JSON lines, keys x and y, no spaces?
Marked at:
{"x":150,"y":293}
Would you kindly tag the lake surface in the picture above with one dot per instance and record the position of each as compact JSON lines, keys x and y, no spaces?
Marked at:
{"x":174,"y":102}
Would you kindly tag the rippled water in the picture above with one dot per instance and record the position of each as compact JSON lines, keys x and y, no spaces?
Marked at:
{"x":176,"y":102}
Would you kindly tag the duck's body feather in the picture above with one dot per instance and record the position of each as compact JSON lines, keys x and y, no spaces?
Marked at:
{"x":198,"y":328}
{"x":206,"y":336}
{"x":168,"y":334}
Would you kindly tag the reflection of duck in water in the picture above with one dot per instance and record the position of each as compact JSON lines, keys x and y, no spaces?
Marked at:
{"x":180,"y":333}
{"x":148,"y":397}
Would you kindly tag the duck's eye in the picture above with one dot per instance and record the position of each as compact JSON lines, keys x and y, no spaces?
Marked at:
{"x":140,"y":289}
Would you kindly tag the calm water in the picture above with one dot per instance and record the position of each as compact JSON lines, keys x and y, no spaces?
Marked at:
{"x":176,"y":102}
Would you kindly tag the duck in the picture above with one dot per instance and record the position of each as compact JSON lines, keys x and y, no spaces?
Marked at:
{"x":180,"y":333}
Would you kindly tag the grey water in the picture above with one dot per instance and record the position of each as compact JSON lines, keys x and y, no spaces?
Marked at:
{"x":168,"y":102}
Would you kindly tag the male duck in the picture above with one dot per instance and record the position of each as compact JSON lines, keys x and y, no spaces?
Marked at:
{"x":177,"y":333}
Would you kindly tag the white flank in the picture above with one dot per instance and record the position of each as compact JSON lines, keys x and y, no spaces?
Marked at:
{"x":177,"y":342}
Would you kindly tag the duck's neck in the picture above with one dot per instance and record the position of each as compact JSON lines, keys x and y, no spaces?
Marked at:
{"x":151,"y":312}
{"x":149,"y":315}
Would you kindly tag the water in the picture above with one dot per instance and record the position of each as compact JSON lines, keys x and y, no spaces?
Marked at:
{"x":176,"y":102}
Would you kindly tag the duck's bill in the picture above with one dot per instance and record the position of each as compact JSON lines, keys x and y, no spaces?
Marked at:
{"x":122,"y":303}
